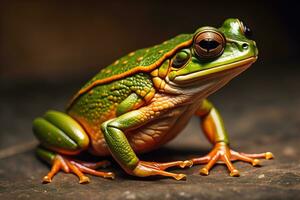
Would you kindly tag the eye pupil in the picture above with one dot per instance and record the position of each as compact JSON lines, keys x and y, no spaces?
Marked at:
{"x":247,"y":31}
{"x":208,"y":44}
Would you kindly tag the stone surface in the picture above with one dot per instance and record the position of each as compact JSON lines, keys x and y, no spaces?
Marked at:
{"x":261,"y":113}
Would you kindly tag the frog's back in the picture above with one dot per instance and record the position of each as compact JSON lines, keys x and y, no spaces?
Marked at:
{"x":143,"y":60}
{"x":100,"y":102}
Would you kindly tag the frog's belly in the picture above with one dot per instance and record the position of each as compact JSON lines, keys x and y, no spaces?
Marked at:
{"x":152,"y":135}
{"x":161,"y":130}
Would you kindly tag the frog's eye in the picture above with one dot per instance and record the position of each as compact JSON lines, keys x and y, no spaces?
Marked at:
{"x":180,"y":59}
{"x":209,"y":44}
{"x":246,"y":30}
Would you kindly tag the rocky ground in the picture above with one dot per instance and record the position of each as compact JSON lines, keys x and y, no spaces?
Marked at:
{"x":261,"y":112}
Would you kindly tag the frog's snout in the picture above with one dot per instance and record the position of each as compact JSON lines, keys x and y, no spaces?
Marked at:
{"x":250,"y":47}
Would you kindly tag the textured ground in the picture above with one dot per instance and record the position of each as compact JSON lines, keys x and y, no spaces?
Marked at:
{"x":261,"y":112}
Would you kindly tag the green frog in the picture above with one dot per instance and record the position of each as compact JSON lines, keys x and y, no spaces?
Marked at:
{"x":144,"y":99}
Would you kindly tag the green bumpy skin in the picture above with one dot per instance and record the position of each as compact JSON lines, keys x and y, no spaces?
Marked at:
{"x":103,"y":100}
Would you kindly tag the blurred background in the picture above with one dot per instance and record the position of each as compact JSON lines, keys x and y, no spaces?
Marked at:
{"x":63,"y":40}
{"x":49,"y":49}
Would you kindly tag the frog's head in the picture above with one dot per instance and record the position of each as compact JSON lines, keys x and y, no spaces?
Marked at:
{"x":215,"y":54}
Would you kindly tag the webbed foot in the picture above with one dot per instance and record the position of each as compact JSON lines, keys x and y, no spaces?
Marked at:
{"x":222,"y":153}
{"x":69,"y":165}
{"x":144,"y":169}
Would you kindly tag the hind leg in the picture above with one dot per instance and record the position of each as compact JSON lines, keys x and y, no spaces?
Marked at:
{"x":61,"y":137}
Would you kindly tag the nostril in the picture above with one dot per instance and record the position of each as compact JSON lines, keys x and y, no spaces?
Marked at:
{"x":245,"y":46}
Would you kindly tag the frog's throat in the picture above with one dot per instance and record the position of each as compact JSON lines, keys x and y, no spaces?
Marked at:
{"x":137,"y":69}
{"x":243,"y":64}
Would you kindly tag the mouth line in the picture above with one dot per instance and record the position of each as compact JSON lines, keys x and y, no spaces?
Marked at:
{"x":216,"y":69}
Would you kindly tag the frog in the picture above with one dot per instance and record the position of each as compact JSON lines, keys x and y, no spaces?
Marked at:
{"x":144,"y":100}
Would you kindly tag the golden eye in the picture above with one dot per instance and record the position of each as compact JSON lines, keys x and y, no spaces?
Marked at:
{"x":209,"y":44}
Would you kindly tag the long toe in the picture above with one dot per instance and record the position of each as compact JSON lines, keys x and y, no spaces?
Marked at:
{"x":69,"y":165}
{"x":221,"y":153}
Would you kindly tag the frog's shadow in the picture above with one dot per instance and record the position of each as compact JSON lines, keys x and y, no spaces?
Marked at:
{"x":163,"y":154}
{"x":167,"y":154}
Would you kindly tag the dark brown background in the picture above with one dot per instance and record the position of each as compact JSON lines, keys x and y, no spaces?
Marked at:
{"x":59,"y":40}
{"x":48,"y":49}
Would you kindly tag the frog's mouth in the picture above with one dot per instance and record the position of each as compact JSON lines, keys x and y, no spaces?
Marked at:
{"x":232,"y":69}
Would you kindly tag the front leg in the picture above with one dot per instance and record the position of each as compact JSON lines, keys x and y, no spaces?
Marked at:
{"x":121,"y":150}
{"x":213,"y":127}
